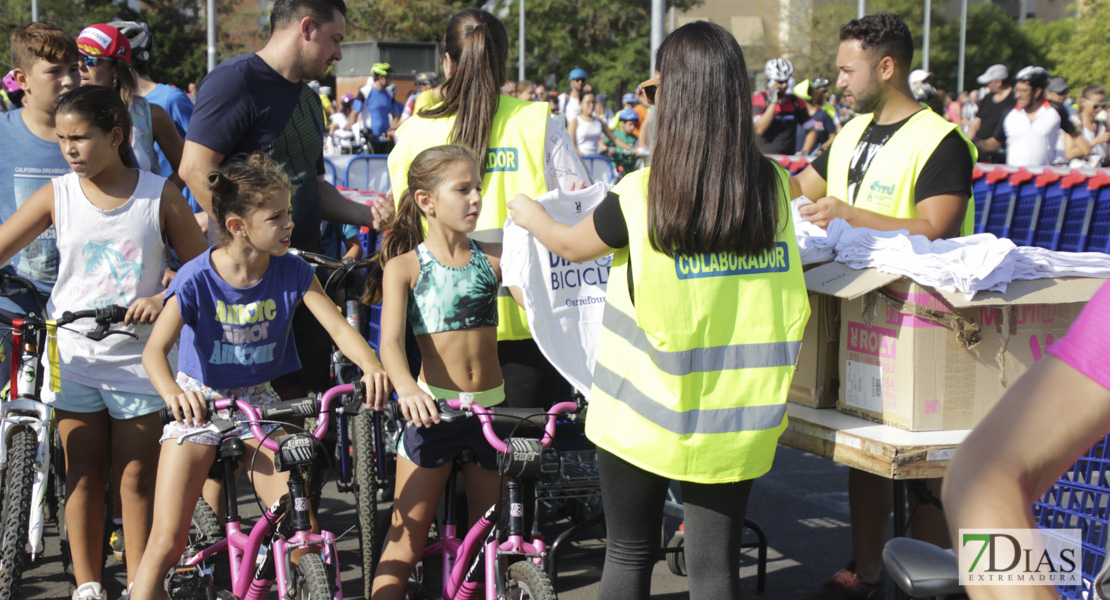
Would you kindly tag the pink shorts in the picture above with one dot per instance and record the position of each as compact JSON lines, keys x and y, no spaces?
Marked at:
{"x":207,"y":434}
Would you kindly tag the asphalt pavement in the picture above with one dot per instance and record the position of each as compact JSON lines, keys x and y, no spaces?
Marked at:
{"x":802,"y":506}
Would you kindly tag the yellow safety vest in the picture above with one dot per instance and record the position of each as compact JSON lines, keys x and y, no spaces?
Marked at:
{"x":514,"y":165}
{"x":888,"y":186}
{"x":691,"y":379}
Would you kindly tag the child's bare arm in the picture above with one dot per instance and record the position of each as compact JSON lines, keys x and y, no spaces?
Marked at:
{"x":188,"y":407}
{"x":397,"y":281}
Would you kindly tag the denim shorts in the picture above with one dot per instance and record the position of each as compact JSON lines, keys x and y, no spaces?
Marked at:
{"x":81,"y":398}
{"x":207,"y":435}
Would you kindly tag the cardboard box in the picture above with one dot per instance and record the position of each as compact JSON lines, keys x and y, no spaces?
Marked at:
{"x":816,"y":376}
{"x":927,"y":360}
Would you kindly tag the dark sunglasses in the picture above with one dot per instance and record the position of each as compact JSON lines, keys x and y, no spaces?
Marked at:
{"x":649,"y":87}
{"x":91,"y":61}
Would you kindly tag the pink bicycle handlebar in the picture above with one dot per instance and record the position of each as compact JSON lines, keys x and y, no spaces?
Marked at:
{"x":487,"y":415}
{"x":319,"y":407}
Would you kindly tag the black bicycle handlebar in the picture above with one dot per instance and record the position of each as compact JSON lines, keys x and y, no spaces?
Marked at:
{"x":104,"y":318}
{"x":321,"y":260}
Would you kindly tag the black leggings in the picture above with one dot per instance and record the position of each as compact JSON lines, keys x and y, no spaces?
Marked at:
{"x":714,"y":520}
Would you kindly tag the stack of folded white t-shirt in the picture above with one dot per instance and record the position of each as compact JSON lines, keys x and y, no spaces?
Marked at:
{"x":980,"y":262}
{"x":814,"y":245}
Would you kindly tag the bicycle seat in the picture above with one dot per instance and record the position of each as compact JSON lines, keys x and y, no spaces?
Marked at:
{"x":921,"y":569}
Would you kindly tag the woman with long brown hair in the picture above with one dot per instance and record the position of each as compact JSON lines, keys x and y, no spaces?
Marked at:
{"x":519,"y":147}
{"x":703,"y":320}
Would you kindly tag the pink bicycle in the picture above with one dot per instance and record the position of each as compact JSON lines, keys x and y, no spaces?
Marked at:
{"x":263,"y":557}
{"x":470,"y":568}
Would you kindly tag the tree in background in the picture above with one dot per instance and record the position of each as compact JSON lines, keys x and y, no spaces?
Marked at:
{"x":70,"y":15}
{"x":610,"y":39}
{"x":992,"y":37}
{"x":179,"y":55}
{"x":1079,"y":50}
{"x":402,"y":20}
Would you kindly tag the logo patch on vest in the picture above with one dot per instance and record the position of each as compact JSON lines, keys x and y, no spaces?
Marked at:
{"x":881,"y":195}
{"x":502,"y":159}
{"x":721,"y":264}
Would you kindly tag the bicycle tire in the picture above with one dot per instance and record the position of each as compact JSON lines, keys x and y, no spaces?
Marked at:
{"x":525,"y":580}
{"x":204,"y":528}
{"x":366,"y":496}
{"x":312,"y":579}
{"x":676,"y":561}
{"x":17,"y":512}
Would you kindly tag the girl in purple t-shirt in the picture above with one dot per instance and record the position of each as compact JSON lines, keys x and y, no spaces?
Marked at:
{"x":232,"y":308}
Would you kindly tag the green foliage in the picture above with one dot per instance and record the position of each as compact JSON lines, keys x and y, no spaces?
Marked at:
{"x":180,"y":38}
{"x":1080,"y":53}
{"x":407,"y":20}
{"x":179,"y":55}
{"x":992,"y":38}
{"x":610,"y":39}
{"x":70,"y":15}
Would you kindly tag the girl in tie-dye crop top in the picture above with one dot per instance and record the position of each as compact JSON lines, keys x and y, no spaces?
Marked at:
{"x":445,"y":286}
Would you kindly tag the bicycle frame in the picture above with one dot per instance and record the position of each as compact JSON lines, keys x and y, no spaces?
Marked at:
{"x":458,"y":556}
{"x":243,"y":548}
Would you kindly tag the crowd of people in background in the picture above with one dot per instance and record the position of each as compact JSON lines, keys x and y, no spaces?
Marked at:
{"x":806,"y":117}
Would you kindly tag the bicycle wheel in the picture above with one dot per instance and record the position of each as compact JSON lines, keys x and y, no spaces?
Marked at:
{"x":366,"y":496}
{"x":527,"y":581}
{"x":312,"y":579}
{"x":17,"y":511}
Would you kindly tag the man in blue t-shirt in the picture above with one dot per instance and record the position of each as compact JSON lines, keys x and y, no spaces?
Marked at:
{"x":380,"y":112}
{"x":260,"y":102}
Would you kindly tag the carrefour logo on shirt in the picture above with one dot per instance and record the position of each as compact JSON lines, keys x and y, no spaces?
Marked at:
{"x":502,"y":159}
{"x":721,"y":264}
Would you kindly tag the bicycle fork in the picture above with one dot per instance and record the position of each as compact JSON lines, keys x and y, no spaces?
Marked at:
{"x":23,"y":413}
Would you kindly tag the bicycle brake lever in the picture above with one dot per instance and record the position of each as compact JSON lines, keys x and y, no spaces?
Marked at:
{"x":102,"y":332}
{"x":222,"y":424}
{"x":448,"y":414}
{"x":351,"y":405}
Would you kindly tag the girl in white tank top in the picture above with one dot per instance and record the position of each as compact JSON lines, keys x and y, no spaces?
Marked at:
{"x":586,"y":130}
{"x":111,"y":221}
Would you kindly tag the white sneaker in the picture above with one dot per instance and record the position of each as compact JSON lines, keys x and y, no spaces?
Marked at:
{"x":127,"y":593}
{"x":89,"y":591}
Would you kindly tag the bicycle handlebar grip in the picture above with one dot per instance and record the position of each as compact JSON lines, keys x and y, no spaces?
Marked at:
{"x":112,"y":314}
{"x":289,"y":409}
{"x":166,"y":414}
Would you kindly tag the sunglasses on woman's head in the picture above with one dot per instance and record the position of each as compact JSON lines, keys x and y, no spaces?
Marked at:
{"x":649,"y":87}
{"x":91,"y":61}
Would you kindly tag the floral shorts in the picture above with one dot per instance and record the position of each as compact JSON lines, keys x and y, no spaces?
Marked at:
{"x":208,"y":434}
